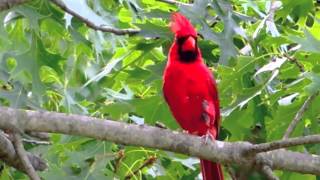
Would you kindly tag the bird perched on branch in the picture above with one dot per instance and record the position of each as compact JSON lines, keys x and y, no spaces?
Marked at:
{"x":190,"y":90}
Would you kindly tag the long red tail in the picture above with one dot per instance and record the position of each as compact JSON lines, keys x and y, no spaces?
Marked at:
{"x":210,"y":170}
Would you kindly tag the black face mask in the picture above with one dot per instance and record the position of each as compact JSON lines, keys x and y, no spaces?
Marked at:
{"x":186,"y":56}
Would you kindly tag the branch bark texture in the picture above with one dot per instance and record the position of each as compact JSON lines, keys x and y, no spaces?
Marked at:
{"x":299,"y":115}
{"x":269,"y":174}
{"x":146,"y":136}
{"x":7,"y":4}
{"x":22,"y":154}
{"x":10,"y":157}
{"x":264,"y":147}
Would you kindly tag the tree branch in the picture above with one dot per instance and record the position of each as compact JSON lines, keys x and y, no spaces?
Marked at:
{"x":36,"y":142}
{"x":17,"y":143}
{"x":7,"y":4}
{"x":231,"y":172}
{"x":39,"y":135}
{"x":9,"y":156}
{"x":92,"y":25}
{"x":299,"y":115}
{"x":267,"y":171}
{"x":146,"y":136}
{"x":148,"y":162}
{"x":264,"y":147}
{"x":295,"y":61}
{"x":273,"y":8}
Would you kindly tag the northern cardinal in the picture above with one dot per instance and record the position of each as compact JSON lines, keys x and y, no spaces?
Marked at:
{"x":190,"y":90}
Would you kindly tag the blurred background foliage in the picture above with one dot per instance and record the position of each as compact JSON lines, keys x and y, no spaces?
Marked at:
{"x":266,"y":63}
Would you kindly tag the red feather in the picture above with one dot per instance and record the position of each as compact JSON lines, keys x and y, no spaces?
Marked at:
{"x":181,"y":26}
{"x":191,"y":92}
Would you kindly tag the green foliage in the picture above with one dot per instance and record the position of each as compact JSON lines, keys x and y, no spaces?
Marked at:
{"x":51,"y":61}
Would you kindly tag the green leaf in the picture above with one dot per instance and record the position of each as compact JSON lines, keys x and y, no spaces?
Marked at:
{"x":154,"y":109}
{"x":32,"y":15}
{"x":31,"y":61}
{"x":308,"y":43}
{"x":152,"y":30}
{"x":314,"y":86}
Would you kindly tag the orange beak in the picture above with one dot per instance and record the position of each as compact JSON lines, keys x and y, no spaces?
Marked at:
{"x":189,"y":44}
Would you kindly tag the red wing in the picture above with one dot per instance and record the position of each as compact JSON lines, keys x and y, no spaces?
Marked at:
{"x":212,"y":86}
{"x":165,"y":90}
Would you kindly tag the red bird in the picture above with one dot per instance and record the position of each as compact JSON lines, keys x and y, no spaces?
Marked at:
{"x":190,"y":89}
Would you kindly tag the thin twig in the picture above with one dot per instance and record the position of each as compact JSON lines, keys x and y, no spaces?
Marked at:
{"x":267,"y":171}
{"x":174,"y":2}
{"x":272,"y":10}
{"x":264,"y":147}
{"x":120,"y":156}
{"x":295,"y":61}
{"x":231,"y":172}
{"x":92,"y":25}
{"x":17,"y":143}
{"x":147,"y":162}
{"x":160,"y":125}
{"x":35,"y":142}
{"x":299,"y":115}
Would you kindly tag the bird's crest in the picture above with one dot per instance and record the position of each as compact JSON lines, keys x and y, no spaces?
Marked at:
{"x":181,"y":26}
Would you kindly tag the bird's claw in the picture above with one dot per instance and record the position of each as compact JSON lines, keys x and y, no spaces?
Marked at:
{"x":185,"y":131}
{"x":205,"y":138}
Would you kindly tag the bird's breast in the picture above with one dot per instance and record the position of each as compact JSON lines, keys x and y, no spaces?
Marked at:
{"x":186,"y":91}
